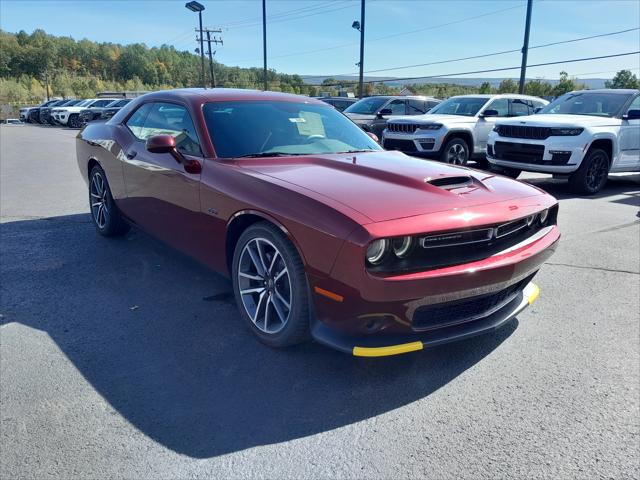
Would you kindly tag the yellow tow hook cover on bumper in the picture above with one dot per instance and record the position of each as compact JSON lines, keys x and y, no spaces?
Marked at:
{"x":386,"y":351}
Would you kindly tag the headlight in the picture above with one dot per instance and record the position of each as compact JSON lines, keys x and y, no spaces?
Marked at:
{"x":431,"y":126}
{"x":566,"y":132}
{"x":402,"y":246}
{"x":543,"y":216}
{"x":377,"y":250}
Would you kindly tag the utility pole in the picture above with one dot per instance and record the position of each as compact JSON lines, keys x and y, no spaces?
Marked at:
{"x":46,"y":83}
{"x":361,"y":77}
{"x":210,"y":40}
{"x":525,"y":48}
{"x":264,"y":41}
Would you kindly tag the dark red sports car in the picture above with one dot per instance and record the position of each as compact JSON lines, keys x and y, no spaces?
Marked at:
{"x":322,"y":232}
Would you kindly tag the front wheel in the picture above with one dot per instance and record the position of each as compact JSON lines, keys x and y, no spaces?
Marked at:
{"x":104,"y":212}
{"x":270,"y":286}
{"x":592,"y":174}
{"x":455,"y":152}
{"x":74,"y":121}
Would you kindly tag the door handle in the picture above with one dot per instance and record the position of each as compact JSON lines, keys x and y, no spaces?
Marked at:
{"x":131,"y":155}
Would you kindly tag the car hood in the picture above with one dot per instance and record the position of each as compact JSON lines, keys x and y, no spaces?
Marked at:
{"x":388,"y":185}
{"x":435,"y":118}
{"x":546,"y":120}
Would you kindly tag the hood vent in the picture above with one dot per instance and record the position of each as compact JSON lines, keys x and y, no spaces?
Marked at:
{"x":451,"y":182}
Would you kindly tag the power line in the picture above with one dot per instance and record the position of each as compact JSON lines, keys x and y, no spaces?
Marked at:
{"x":517,"y":50}
{"x":457,"y":74}
{"x":296,"y":11}
{"x":385,"y":37}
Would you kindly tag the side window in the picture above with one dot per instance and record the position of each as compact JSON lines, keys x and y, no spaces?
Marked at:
{"x":417,"y":107}
{"x":520,"y":108}
{"x":635,"y":105}
{"x":537,"y":104}
{"x":136,"y":121}
{"x":501,"y":105}
{"x":102,"y":103}
{"x":174,"y":120}
{"x":396,"y":107}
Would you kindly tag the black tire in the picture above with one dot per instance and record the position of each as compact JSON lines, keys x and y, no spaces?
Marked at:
{"x":110,"y":222}
{"x":296,"y":327}
{"x":509,"y":172}
{"x":455,"y":152}
{"x":592,"y":174}
{"x":74,"y":121}
{"x":482,"y":163}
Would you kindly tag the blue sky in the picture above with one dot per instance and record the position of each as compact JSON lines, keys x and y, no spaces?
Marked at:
{"x":315,"y":37}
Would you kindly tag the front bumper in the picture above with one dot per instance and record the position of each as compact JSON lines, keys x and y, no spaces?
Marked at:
{"x":559,"y":154}
{"x":424,"y":142}
{"x":375,"y":346}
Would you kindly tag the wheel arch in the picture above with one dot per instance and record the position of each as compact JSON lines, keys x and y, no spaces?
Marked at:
{"x":606,"y":144}
{"x":242,"y":220}
{"x":464,"y":135}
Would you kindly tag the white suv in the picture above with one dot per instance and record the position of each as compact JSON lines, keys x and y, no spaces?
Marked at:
{"x":70,"y":116}
{"x":583,"y":135}
{"x":457,"y":129}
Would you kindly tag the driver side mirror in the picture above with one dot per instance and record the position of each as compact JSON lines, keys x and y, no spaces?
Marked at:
{"x":167,"y":144}
{"x":537,"y":109}
{"x":632,"y":115}
{"x":490,"y":113}
{"x":383,"y":112}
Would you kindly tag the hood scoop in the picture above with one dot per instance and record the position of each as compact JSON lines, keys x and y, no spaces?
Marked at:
{"x":449,"y":183}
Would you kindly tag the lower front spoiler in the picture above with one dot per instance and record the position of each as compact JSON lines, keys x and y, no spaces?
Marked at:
{"x":382,"y":346}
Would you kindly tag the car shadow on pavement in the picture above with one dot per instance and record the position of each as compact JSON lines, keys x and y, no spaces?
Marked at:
{"x":628,"y":186}
{"x":157,"y":336}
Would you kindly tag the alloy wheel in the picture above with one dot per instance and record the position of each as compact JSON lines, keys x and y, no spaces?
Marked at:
{"x":265,"y":286}
{"x":457,"y":155}
{"x":596,"y":172}
{"x":99,"y":203}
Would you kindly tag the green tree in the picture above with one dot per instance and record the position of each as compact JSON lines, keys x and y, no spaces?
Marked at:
{"x":485,"y":87}
{"x":508,"y":86}
{"x":566,"y":84}
{"x":623,"y":79}
{"x":538,"y":88}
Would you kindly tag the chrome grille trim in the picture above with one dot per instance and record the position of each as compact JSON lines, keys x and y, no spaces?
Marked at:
{"x":402,"y":127}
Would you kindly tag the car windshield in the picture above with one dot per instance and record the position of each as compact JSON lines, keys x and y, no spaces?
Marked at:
{"x":465,"y":106}
{"x":367,"y":106}
{"x":72,"y":103}
{"x":119,"y":103}
{"x":83,"y":103}
{"x":586,"y":103}
{"x":263,"y":128}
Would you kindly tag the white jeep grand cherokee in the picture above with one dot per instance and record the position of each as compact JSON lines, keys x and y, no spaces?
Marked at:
{"x":456,"y":129}
{"x":584,"y":135}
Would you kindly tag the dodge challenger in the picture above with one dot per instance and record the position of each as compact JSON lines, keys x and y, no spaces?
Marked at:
{"x":323,"y":234}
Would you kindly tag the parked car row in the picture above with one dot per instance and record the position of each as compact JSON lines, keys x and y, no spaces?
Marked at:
{"x":72,"y":112}
{"x":582,"y":136}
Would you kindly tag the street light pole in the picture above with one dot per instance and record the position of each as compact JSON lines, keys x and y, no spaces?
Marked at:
{"x":361,"y":77}
{"x":198,"y":7}
{"x":525,"y":47}
{"x":264,"y":42}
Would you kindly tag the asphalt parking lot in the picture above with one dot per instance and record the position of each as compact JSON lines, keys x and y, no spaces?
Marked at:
{"x":125,"y":359}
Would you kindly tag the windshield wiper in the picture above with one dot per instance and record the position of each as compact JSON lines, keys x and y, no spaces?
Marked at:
{"x":270,"y":154}
{"x":358,"y":151}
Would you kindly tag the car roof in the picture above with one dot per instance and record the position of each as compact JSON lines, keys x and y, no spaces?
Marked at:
{"x":621,"y":91}
{"x":204,"y":95}
{"x":499,"y":95}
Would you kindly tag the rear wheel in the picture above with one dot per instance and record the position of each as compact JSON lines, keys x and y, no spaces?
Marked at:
{"x":592,"y":174}
{"x":455,"y":152}
{"x":270,"y":286}
{"x":104,"y":212}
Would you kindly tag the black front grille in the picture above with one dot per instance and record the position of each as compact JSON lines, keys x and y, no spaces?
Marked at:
{"x":519,"y":152}
{"x":402,"y":145}
{"x":523,"y":131}
{"x":446,"y":314}
{"x":402,"y":127}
